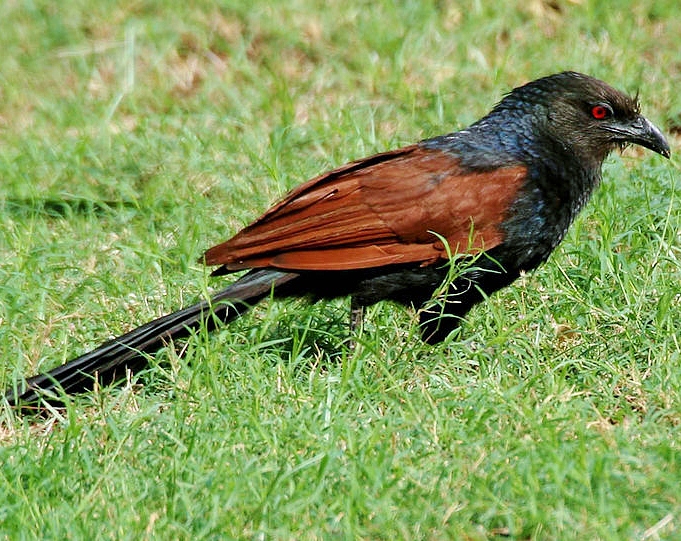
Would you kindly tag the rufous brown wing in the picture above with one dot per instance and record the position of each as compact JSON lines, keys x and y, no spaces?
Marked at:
{"x":387,"y":209}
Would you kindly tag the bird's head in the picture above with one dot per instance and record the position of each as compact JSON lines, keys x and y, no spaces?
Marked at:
{"x":584,"y":116}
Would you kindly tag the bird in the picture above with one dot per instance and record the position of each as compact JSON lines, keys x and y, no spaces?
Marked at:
{"x":499,"y":194}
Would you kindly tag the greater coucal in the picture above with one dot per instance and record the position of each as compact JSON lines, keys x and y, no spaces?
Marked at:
{"x":503,"y":190}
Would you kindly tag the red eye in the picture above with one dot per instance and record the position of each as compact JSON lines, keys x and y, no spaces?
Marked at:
{"x":599,"y":112}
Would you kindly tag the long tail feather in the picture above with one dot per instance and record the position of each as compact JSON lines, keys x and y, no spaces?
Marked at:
{"x":110,"y":361}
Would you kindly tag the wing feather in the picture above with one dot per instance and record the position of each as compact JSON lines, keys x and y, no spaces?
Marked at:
{"x":387,"y":209}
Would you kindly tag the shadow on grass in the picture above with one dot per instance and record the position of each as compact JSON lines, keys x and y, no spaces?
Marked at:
{"x":57,"y":207}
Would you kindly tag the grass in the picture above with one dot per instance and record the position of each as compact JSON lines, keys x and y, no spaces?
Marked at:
{"x":134,"y":136}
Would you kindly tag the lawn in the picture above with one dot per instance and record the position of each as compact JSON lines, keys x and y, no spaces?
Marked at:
{"x":134,"y":135}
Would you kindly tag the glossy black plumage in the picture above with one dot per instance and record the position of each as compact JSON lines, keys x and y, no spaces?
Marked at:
{"x":502,"y":192}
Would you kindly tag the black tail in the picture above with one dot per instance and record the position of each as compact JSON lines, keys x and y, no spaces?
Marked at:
{"x":109,"y":362}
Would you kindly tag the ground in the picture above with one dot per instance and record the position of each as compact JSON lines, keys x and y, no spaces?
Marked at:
{"x":134,"y":135}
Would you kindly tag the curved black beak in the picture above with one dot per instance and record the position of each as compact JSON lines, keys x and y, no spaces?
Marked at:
{"x":641,"y":131}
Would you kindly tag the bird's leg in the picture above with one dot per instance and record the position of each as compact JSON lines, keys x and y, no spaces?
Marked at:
{"x":356,"y":320}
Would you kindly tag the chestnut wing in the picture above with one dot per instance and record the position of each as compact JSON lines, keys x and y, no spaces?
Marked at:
{"x":386,"y":209}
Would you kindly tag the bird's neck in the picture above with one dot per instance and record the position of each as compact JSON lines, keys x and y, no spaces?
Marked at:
{"x":558,"y":185}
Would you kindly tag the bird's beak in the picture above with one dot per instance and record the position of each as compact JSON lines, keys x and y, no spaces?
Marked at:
{"x":641,"y":131}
